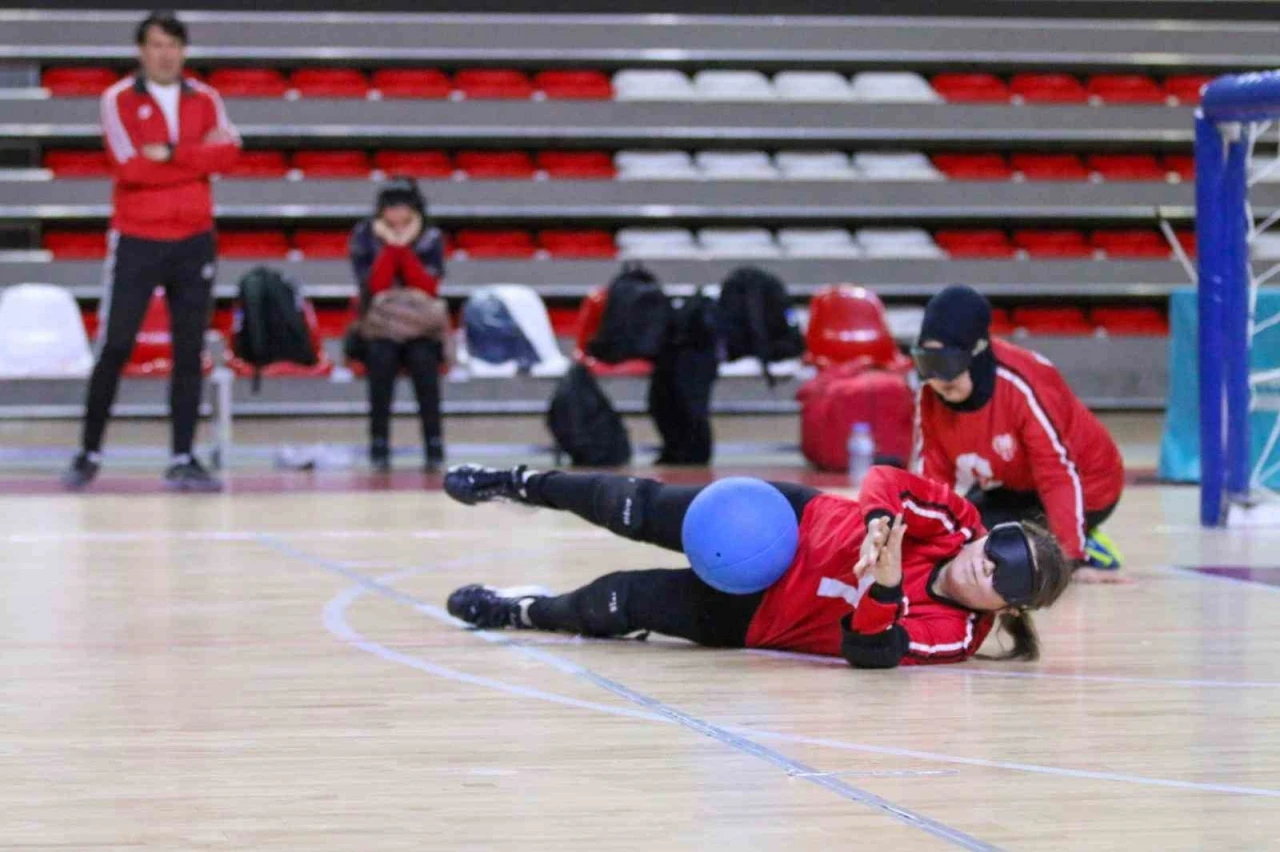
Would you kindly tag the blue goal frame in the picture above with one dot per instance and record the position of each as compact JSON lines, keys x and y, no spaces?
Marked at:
{"x":1228,"y":104}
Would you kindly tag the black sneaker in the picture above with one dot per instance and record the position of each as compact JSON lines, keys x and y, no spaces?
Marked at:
{"x":494,"y":609}
{"x":187,"y":474}
{"x":84,"y":469}
{"x":434,"y":455}
{"x":471,"y":484}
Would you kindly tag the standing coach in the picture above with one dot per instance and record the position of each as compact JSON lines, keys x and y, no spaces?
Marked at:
{"x":166,"y":136}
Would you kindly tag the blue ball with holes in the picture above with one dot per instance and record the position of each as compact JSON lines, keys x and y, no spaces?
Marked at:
{"x":740,"y":535}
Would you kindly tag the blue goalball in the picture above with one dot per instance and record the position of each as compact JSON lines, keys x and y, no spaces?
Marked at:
{"x":740,"y":534}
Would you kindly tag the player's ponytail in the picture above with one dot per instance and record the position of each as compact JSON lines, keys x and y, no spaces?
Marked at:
{"x":1022,"y":631}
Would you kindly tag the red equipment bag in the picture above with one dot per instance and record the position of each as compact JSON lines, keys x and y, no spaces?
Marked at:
{"x":856,"y":392}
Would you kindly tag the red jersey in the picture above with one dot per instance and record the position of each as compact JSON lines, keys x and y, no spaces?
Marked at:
{"x":803,"y":610}
{"x":171,"y":200}
{"x":1033,"y":435}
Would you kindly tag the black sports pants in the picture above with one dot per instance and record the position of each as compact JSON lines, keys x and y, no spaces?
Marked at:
{"x":674,"y":602}
{"x":1003,"y":505}
{"x":134,"y":268}
{"x":421,"y":359}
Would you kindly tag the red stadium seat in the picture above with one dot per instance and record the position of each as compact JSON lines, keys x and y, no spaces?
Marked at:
{"x":575,"y":85}
{"x":1182,"y":166}
{"x":329,"y":83}
{"x":431,"y":165}
{"x":78,"y":82}
{"x":412,"y":83}
{"x":332,"y":321}
{"x":493,"y":84}
{"x":332,"y":164}
{"x":1125,"y":89}
{"x":1185,"y":88}
{"x":847,"y":323}
{"x":1131,"y":320}
{"x":971,"y":88}
{"x":76,"y":245}
{"x":1131,"y":244}
{"x":1187,"y":239}
{"x":1049,"y":166}
{"x":973,"y":166}
{"x":577,"y":165}
{"x":496,"y":244}
{"x":1127,"y":167}
{"x":495,"y":165}
{"x":78,"y":164}
{"x":259,"y":164}
{"x":589,"y":315}
{"x":322,"y":244}
{"x":288,"y":369}
{"x":1052,"y":243}
{"x":1048,"y":89}
{"x":1001,"y":325}
{"x":252,"y":245}
{"x":578,"y":244}
{"x":1052,"y":320}
{"x":984,"y":243}
{"x":248,"y":82}
{"x":564,"y":321}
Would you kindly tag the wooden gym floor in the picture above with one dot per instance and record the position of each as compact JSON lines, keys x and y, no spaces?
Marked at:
{"x":274,"y":671}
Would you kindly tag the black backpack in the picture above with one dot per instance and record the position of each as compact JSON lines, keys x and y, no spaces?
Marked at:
{"x":584,"y":423}
{"x":753,"y":318}
{"x":635,"y":318}
{"x":270,"y":324}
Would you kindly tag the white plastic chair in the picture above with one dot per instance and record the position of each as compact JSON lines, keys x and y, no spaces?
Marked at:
{"x":735,"y":165}
{"x":815,"y":165}
{"x":905,"y":322}
{"x":643,"y":84}
{"x":42,"y":334}
{"x":530,"y":313}
{"x":750,"y":367}
{"x":895,"y":165}
{"x":738,"y":243}
{"x":898,"y":243}
{"x":657,"y":243}
{"x":893,"y":87}
{"x":825,"y":86}
{"x":733,"y":86}
{"x":655,"y":165}
{"x":818,"y":242}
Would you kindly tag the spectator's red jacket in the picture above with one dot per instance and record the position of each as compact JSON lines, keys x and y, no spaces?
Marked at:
{"x":820,"y":607}
{"x":1032,"y":435}
{"x":171,"y":200}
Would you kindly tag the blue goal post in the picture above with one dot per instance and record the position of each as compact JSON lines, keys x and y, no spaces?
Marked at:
{"x":1230,"y":116}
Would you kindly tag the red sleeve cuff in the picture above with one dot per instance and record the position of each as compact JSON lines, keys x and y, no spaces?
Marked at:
{"x":874,"y":615}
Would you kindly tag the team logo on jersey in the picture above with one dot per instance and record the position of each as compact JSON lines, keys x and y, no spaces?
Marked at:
{"x":1004,"y":446}
{"x":144,"y":112}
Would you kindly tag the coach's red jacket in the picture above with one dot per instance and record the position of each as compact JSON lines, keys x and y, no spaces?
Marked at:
{"x":171,"y":200}
{"x":1032,"y":435}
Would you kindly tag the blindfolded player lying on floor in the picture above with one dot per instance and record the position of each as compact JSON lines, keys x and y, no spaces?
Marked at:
{"x":903,"y":575}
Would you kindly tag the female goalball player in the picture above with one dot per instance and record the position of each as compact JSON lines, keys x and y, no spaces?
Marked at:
{"x":904,"y":575}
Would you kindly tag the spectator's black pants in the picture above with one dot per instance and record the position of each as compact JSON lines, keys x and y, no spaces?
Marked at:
{"x":421,"y":359}
{"x":134,"y":268}
{"x":674,"y":602}
{"x":1004,"y":505}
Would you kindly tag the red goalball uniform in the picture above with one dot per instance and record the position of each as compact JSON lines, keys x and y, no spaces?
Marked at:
{"x":909,"y":625}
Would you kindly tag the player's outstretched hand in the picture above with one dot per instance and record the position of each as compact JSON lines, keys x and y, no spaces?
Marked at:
{"x":877,"y":535}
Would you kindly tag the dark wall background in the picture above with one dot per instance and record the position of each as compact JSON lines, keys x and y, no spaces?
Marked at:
{"x":1259,"y":10}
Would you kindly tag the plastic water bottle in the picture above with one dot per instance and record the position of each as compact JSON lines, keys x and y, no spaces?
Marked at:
{"x":862,"y":453}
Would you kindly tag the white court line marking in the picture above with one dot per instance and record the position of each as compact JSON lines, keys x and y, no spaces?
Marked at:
{"x":653,"y":705}
{"x":336,"y":613}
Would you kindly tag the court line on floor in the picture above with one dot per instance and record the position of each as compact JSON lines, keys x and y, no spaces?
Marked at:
{"x":382,"y":586}
{"x":655,"y":706}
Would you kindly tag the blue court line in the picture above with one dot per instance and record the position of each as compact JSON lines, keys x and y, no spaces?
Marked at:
{"x":794,"y":768}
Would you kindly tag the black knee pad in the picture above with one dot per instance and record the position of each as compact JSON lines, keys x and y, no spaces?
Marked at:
{"x":602,"y":606}
{"x":621,"y":507}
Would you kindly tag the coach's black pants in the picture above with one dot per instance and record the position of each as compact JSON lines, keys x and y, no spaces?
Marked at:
{"x":1003,"y":505}
{"x":421,"y":359}
{"x":674,"y":602}
{"x":134,"y":268}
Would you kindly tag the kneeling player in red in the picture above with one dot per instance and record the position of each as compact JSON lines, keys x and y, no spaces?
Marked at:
{"x":904,"y":575}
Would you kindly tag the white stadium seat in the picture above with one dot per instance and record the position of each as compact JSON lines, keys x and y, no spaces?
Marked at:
{"x":818,"y":242}
{"x":656,"y":243}
{"x":735,"y":165}
{"x":1265,"y":246}
{"x":738,"y":243}
{"x":898,"y":243}
{"x":895,"y":165}
{"x":42,"y":334}
{"x":894,"y":87}
{"x":640,"y":84}
{"x":812,"y":86}
{"x":815,"y":165}
{"x":733,"y":86}
{"x":655,"y":165}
